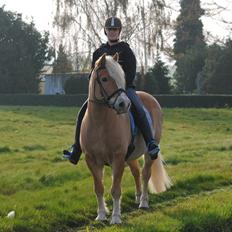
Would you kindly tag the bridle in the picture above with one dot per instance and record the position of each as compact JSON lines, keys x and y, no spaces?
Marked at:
{"x":106,"y":97}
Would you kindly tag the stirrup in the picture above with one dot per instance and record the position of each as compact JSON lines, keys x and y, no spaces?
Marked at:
{"x":153,"y":150}
{"x":73,"y":156}
{"x":66,"y":154}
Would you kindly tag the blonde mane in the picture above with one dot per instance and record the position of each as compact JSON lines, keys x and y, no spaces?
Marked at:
{"x":116,"y":72}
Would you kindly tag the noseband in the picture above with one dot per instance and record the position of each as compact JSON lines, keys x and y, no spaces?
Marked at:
{"x":106,"y":97}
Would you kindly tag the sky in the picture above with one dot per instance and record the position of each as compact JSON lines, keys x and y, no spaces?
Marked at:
{"x":42,"y":12}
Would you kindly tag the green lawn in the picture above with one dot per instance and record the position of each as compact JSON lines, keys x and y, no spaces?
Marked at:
{"x":49,"y":194}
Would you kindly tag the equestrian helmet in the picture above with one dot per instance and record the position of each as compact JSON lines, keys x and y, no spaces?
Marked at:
{"x":113,"y":22}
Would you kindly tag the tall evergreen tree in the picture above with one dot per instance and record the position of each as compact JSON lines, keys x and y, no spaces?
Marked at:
{"x":157,"y":80}
{"x":189,"y":45}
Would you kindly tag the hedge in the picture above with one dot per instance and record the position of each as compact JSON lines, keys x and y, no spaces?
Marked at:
{"x":207,"y":101}
{"x":42,"y":100}
{"x":217,"y":101}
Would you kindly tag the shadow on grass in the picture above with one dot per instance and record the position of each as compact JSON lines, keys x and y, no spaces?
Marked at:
{"x":5,"y":149}
{"x":195,"y":221}
{"x":208,"y":223}
{"x":195,"y":185}
{"x":182,"y":189}
{"x":201,"y":223}
{"x":176,"y":161}
{"x":34,"y":147}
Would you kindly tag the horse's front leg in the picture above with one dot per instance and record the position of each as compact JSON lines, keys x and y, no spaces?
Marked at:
{"x":97,"y":173}
{"x":118,"y":168}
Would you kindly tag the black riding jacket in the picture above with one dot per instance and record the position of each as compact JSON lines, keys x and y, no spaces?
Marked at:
{"x":126,"y":59}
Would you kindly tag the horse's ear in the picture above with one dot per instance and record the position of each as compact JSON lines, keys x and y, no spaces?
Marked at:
{"x":101,"y":61}
{"x":116,"y":57}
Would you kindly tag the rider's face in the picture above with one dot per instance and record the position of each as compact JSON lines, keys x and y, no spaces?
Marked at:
{"x":112,"y":33}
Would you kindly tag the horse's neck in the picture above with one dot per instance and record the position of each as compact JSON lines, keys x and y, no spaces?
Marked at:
{"x":100,"y":113}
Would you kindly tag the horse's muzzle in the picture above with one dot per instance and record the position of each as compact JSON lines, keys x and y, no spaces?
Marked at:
{"x":122,"y":104}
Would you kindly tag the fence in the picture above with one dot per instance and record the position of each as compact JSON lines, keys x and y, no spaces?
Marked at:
{"x":77,"y":100}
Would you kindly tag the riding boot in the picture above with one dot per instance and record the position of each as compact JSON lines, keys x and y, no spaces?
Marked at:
{"x":152,"y":145}
{"x":75,"y":153}
{"x":143,"y":124}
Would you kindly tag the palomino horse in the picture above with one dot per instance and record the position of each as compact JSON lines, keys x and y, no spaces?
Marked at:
{"x":106,"y":135}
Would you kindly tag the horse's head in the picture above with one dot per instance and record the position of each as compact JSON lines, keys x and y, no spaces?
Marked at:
{"x":107,"y":84}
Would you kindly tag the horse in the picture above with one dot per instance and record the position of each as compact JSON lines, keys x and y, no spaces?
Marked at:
{"x":106,"y":135}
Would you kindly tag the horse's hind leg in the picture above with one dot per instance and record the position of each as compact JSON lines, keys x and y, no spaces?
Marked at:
{"x":135,"y":170}
{"x":146,"y":174}
{"x":118,"y":168}
{"x":97,"y":173}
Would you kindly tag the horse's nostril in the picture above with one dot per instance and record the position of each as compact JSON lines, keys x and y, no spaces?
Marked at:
{"x":121,"y":104}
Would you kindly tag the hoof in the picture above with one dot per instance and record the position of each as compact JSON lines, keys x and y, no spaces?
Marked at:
{"x":116,"y":219}
{"x":143,"y":205}
{"x":101,"y":217}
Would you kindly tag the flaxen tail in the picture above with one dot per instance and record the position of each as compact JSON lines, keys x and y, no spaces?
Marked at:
{"x":159,"y":181}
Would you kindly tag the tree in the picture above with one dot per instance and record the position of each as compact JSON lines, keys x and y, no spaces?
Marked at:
{"x":189,"y":28}
{"x":189,"y":67}
{"x":217,"y":72}
{"x":147,"y":25}
{"x":189,"y":45}
{"x":157,"y":80}
{"x":62,"y":64}
{"x":23,"y":53}
{"x":82,"y":21}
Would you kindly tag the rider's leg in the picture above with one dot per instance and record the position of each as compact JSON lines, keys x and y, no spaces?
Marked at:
{"x":75,"y":153}
{"x":143,"y":124}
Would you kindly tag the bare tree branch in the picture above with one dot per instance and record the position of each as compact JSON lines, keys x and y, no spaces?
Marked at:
{"x":84,"y":20}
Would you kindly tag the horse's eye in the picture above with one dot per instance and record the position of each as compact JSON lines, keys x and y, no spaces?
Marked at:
{"x":104,"y":79}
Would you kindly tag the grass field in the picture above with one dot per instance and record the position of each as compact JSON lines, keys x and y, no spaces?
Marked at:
{"x":49,"y":194}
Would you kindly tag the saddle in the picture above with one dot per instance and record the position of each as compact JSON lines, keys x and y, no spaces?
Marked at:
{"x":135,"y":130}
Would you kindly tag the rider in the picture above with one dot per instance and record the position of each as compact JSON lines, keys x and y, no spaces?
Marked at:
{"x":112,"y":29}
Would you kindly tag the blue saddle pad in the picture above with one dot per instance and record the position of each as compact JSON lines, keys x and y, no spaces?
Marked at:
{"x":135,"y":129}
